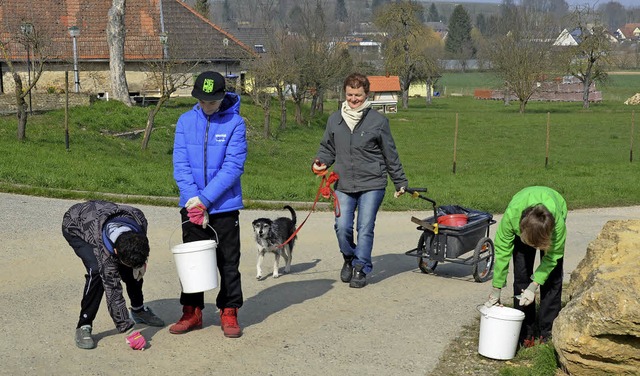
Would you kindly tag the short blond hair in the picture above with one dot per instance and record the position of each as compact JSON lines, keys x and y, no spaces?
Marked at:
{"x":536,"y":227}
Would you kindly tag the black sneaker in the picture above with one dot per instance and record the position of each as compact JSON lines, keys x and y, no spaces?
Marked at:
{"x":359,"y":279}
{"x":83,"y":337}
{"x":347,"y":270}
{"x":146,"y":316}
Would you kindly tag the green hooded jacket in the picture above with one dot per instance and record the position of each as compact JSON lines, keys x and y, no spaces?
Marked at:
{"x":509,"y":228}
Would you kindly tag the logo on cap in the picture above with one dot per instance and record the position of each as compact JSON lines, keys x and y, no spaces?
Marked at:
{"x":207,"y":85}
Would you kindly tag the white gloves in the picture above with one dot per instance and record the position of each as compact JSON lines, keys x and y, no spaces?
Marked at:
{"x":399,"y":193}
{"x":529,"y":295}
{"x":494,"y":297}
{"x":138,"y":273}
{"x":193,"y":202}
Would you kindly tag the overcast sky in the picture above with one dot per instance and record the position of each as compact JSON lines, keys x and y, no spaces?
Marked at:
{"x":592,"y":3}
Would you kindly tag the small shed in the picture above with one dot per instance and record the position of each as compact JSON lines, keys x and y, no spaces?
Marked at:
{"x":383,"y":92}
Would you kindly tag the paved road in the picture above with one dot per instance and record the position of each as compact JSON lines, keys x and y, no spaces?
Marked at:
{"x":304,"y":323}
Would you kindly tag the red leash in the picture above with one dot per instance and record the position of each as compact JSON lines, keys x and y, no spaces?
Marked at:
{"x":325,"y":191}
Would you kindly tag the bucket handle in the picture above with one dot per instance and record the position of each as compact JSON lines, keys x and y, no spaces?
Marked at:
{"x":174,"y":232}
{"x":478,"y":308}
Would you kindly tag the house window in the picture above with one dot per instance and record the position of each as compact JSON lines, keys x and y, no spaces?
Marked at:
{"x":259,"y":48}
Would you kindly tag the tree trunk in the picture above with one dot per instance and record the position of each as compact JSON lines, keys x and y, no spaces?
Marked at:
{"x":283,"y":109}
{"x":115,"y":39}
{"x":314,"y":102}
{"x":298,"y":112}
{"x":267,"y":121}
{"x":585,"y":92}
{"x":523,"y":104}
{"x":150,"y":121}
{"x":428,"y":91}
{"x":21,"y":108}
{"x":405,"y":98}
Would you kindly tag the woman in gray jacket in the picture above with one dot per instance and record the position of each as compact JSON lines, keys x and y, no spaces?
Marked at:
{"x":357,"y":142}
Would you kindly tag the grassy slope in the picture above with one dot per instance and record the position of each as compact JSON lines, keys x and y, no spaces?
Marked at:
{"x":498,"y":150}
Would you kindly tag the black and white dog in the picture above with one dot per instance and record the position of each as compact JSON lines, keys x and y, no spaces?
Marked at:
{"x":270,"y":234}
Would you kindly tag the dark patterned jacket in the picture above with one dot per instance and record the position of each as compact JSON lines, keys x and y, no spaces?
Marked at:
{"x":86,"y":221}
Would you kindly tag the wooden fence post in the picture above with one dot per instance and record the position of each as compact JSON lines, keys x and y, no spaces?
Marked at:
{"x":455,"y":144}
{"x":546,"y":158}
{"x":633,"y":124}
{"x":66,"y":110}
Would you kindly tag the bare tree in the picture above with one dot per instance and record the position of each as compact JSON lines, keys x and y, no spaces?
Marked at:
{"x":171,"y":75}
{"x":34,"y":39}
{"x":405,"y":41}
{"x":588,"y":60}
{"x":115,"y":39}
{"x":521,"y":57}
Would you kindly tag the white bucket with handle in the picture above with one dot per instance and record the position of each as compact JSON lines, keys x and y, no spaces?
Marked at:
{"x":197,"y":265}
{"x":499,"y":331}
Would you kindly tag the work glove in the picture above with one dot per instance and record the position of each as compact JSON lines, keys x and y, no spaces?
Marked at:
{"x":494,"y":297}
{"x":198,"y":215}
{"x":529,"y":295}
{"x":138,"y":273}
{"x":319,"y":168}
{"x":135,"y":340}
{"x":193,"y":202}
{"x":399,"y":192}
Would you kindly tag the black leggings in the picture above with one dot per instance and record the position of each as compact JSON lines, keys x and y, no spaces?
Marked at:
{"x":227,"y":253}
{"x":93,"y":288}
{"x":550,"y":293}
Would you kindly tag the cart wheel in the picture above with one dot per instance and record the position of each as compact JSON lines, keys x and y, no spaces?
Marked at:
{"x":483,"y":260}
{"x":424,"y":263}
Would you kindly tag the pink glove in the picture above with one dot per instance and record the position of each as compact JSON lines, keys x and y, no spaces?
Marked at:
{"x":136,"y":341}
{"x":198,"y":215}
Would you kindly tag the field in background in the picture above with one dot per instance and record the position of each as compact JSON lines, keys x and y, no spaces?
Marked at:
{"x":498,"y":152}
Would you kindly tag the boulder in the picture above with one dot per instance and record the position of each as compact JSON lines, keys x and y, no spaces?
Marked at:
{"x":598,"y":331}
{"x":634,"y":100}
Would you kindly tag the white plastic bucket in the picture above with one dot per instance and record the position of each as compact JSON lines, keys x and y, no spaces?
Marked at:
{"x":499,"y":332}
{"x":196,"y":264}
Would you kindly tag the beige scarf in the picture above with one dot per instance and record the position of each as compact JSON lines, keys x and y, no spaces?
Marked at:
{"x":352,"y":116}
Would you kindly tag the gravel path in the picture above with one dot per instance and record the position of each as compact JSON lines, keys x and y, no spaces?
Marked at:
{"x":304,"y":323}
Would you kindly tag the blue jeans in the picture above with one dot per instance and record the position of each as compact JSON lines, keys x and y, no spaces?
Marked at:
{"x":367,"y":203}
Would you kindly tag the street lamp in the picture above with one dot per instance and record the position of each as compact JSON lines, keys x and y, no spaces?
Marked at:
{"x":27,"y":31}
{"x":74,"y":31}
{"x":164,"y":38}
{"x":225,"y":43}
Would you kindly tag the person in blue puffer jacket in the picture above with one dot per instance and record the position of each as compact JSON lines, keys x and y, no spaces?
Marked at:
{"x":209,"y":153}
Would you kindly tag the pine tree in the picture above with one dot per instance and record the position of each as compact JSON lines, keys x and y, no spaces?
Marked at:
{"x":202,"y":7}
{"x":433,"y":14}
{"x":341,"y":11}
{"x":459,"y":36}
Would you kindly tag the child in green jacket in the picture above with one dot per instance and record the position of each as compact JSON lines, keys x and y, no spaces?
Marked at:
{"x":534,"y":220}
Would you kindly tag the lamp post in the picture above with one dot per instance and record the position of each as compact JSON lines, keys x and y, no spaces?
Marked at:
{"x":27,"y":31}
{"x":164,"y":38}
{"x":74,"y":31}
{"x":225,"y":43}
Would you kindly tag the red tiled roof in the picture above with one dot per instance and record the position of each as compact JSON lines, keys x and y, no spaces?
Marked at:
{"x":383,"y":83}
{"x":628,"y":29}
{"x":190,"y":36}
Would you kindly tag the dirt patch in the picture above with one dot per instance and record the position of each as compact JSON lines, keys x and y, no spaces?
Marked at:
{"x":461,"y":356}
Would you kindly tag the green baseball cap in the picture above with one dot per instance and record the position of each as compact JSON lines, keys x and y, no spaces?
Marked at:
{"x":209,"y":86}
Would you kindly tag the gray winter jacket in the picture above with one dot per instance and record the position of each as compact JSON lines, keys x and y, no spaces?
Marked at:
{"x":86,"y":221}
{"x":362,"y":158}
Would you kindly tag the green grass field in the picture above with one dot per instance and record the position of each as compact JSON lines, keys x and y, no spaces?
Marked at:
{"x":498,"y":152}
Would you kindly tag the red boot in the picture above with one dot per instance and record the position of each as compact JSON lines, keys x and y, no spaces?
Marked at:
{"x":229,"y":322}
{"x":191,"y":319}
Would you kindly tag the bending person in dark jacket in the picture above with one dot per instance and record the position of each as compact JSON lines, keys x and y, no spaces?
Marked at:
{"x":358,"y":143}
{"x":111,"y":240}
{"x":209,"y":152}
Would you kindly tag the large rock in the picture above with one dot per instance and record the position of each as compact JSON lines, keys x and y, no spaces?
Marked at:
{"x":598,"y":331}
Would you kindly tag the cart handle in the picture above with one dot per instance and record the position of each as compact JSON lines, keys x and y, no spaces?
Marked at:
{"x":415,"y":192}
